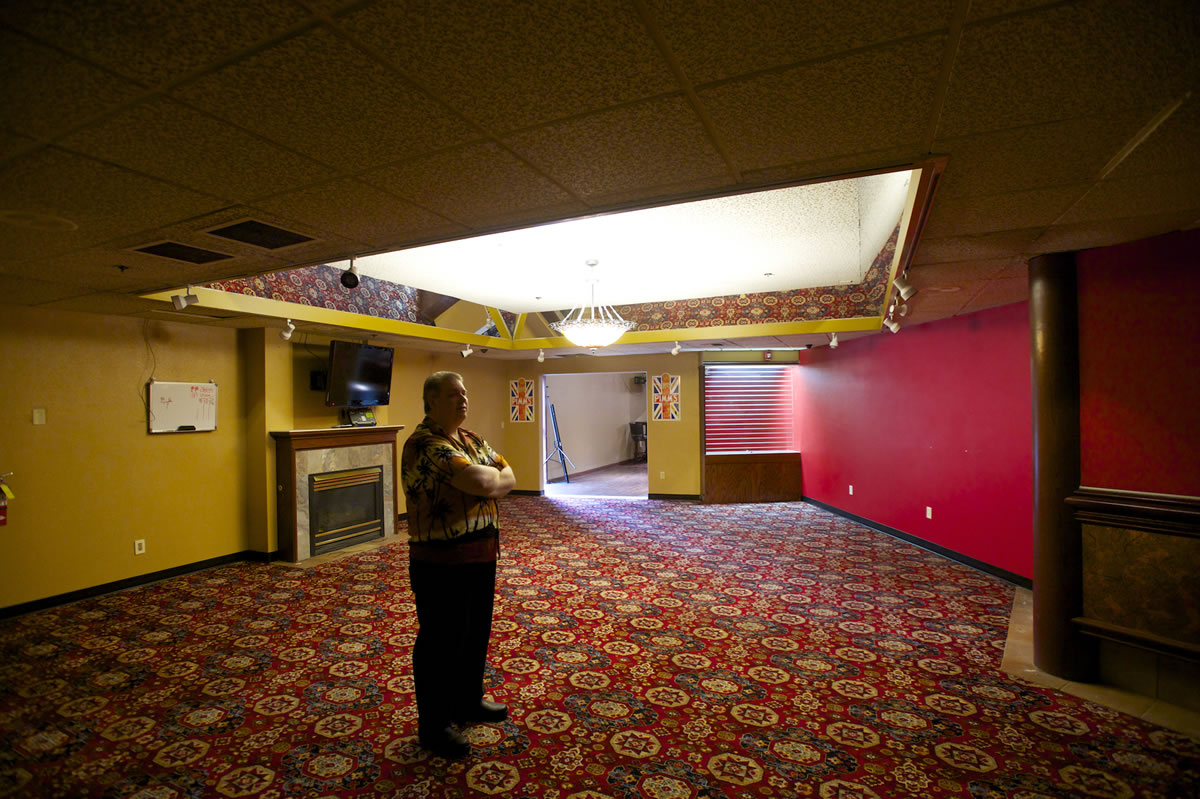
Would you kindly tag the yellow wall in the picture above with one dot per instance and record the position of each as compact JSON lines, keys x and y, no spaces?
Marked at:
{"x":673,"y":447}
{"x":91,"y":480}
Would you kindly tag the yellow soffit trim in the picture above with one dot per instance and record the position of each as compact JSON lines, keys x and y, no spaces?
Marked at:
{"x":261,"y":306}
{"x":498,"y":319}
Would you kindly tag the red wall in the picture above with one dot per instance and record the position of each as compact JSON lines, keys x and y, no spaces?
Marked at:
{"x":1139,"y":365}
{"x":940,"y":415}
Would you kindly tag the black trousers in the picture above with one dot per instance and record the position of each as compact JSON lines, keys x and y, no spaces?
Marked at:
{"x":454,"y":611}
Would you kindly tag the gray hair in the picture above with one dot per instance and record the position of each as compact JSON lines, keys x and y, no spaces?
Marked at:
{"x":434,"y":383}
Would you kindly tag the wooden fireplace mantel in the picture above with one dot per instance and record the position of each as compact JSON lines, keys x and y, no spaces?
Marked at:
{"x":288,"y":443}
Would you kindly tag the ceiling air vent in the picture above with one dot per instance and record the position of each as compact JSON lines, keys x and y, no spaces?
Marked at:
{"x":183,"y":252}
{"x":260,"y":234}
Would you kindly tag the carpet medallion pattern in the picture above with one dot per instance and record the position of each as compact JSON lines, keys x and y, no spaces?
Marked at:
{"x":646,"y":649}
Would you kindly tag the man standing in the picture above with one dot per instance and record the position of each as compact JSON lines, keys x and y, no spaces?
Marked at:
{"x":452,"y":479}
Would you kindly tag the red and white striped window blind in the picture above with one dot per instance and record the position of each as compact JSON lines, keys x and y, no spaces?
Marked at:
{"x":748,"y":408}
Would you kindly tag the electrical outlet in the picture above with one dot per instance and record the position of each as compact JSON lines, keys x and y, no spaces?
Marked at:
{"x":662,"y":475}
{"x":851,"y":490}
{"x":39,"y":415}
{"x":139,"y":546}
{"x":928,"y":512}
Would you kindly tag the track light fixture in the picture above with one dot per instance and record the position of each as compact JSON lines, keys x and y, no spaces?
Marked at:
{"x":675,"y":349}
{"x":350,"y":276}
{"x":892,"y":325}
{"x":286,"y":333}
{"x":541,"y":356}
{"x":833,"y":342}
{"x":905,"y":288}
{"x":181,"y":301}
{"x":466,"y":352}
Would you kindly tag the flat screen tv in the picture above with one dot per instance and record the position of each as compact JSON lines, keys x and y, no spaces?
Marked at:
{"x":360,"y":375}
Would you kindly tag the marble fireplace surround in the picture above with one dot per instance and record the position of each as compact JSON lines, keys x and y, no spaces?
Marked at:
{"x":300,"y":453}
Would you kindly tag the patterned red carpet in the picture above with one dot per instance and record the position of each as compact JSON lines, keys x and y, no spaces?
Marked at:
{"x":647,"y":649}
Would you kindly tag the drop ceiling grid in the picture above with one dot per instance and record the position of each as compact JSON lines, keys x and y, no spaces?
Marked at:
{"x":366,"y":117}
{"x":172,"y":142}
{"x":652,"y":145}
{"x":360,"y":214}
{"x":477,"y":185}
{"x":511,"y":66}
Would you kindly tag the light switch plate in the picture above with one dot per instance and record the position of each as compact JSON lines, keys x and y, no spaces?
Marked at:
{"x":39,"y":415}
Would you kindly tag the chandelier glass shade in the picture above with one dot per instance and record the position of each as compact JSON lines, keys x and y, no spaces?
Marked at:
{"x":592,"y":325}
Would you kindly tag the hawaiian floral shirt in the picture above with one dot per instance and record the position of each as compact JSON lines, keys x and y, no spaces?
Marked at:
{"x":437,"y":511}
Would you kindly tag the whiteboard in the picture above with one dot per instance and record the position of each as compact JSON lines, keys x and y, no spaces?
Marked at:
{"x":181,"y":407}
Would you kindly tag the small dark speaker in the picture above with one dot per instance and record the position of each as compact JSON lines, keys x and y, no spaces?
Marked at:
{"x":639,"y":380}
{"x":318,"y":380}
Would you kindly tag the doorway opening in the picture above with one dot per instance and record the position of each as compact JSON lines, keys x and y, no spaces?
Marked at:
{"x":594,"y":435}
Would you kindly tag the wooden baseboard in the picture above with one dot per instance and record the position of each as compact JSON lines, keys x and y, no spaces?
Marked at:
{"x":966,"y":560}
{"x":676,"y":497}
{"x":132,"y":582}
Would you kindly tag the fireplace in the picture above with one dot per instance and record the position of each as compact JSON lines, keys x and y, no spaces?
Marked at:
{"x":345,"y":508}
{"x":352,"y":470}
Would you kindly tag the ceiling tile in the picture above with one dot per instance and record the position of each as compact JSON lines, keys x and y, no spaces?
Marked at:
{"x":842,"y":166}
{"x":964,"y":216}
{"x":956,"y":273}
{"x":998,"y":292}
{"x":1071,"y":60}
{"x":648,"y":146}
{"x":1175,"y":145}
{"x":882,"y":96}
{"x":170,"y":141}
{"x":23,"y":291}
{"x":361,"y":213}
{"x":12,"y":143}
{"x":772,"y":35}
{"x":32,"y":73}
{"x":106,"y":303}
{"x":1053,"y":154}
{"x":96,"y":269}
{"x":981,"y":9}
{"x":1103,"y":232}
{"x":153,"y":41}
{"x":509,"y":65}
{"x":99,"y":198}
{"x":986,"y":246}
{"x":478,"y":186}
{"x":1143,"y":195}
{"x":367,"y":117}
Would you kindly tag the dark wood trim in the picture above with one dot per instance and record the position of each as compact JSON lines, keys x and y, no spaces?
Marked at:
{"x":675,"y":497}
{"x":1156,"y":513}
{"x":133,"y":582}
{"x":526,"y":492}
{"x":752,"y":457}
{"x":1058,"y":648}
{"x":1142,"y":640}
{"x":324,"y":438}
{"x":966,"y":560}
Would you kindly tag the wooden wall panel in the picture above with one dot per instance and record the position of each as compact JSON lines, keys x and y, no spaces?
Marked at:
{"x":765,"y":477}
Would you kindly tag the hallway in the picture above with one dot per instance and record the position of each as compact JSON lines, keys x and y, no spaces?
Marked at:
{"x":630,"y":480}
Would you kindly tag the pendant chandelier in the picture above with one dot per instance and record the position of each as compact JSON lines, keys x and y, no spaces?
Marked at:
{"x":592,"y":325}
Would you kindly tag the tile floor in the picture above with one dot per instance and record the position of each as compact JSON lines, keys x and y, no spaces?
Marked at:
{"x":1018,"y":662}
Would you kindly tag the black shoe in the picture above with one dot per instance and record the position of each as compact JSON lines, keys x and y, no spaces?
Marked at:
{"x":485,"y":711}
{"x":447,"y":742}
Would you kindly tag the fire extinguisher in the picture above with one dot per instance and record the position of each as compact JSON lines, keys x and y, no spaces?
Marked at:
{"x":5,"y":495}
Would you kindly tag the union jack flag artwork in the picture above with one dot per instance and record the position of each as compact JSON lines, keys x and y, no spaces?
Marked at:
{"x":520,"y":400}
{"x":666,"y":398}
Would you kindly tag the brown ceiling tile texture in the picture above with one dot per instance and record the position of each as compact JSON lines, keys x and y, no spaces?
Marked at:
{"x":374,"y":125}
